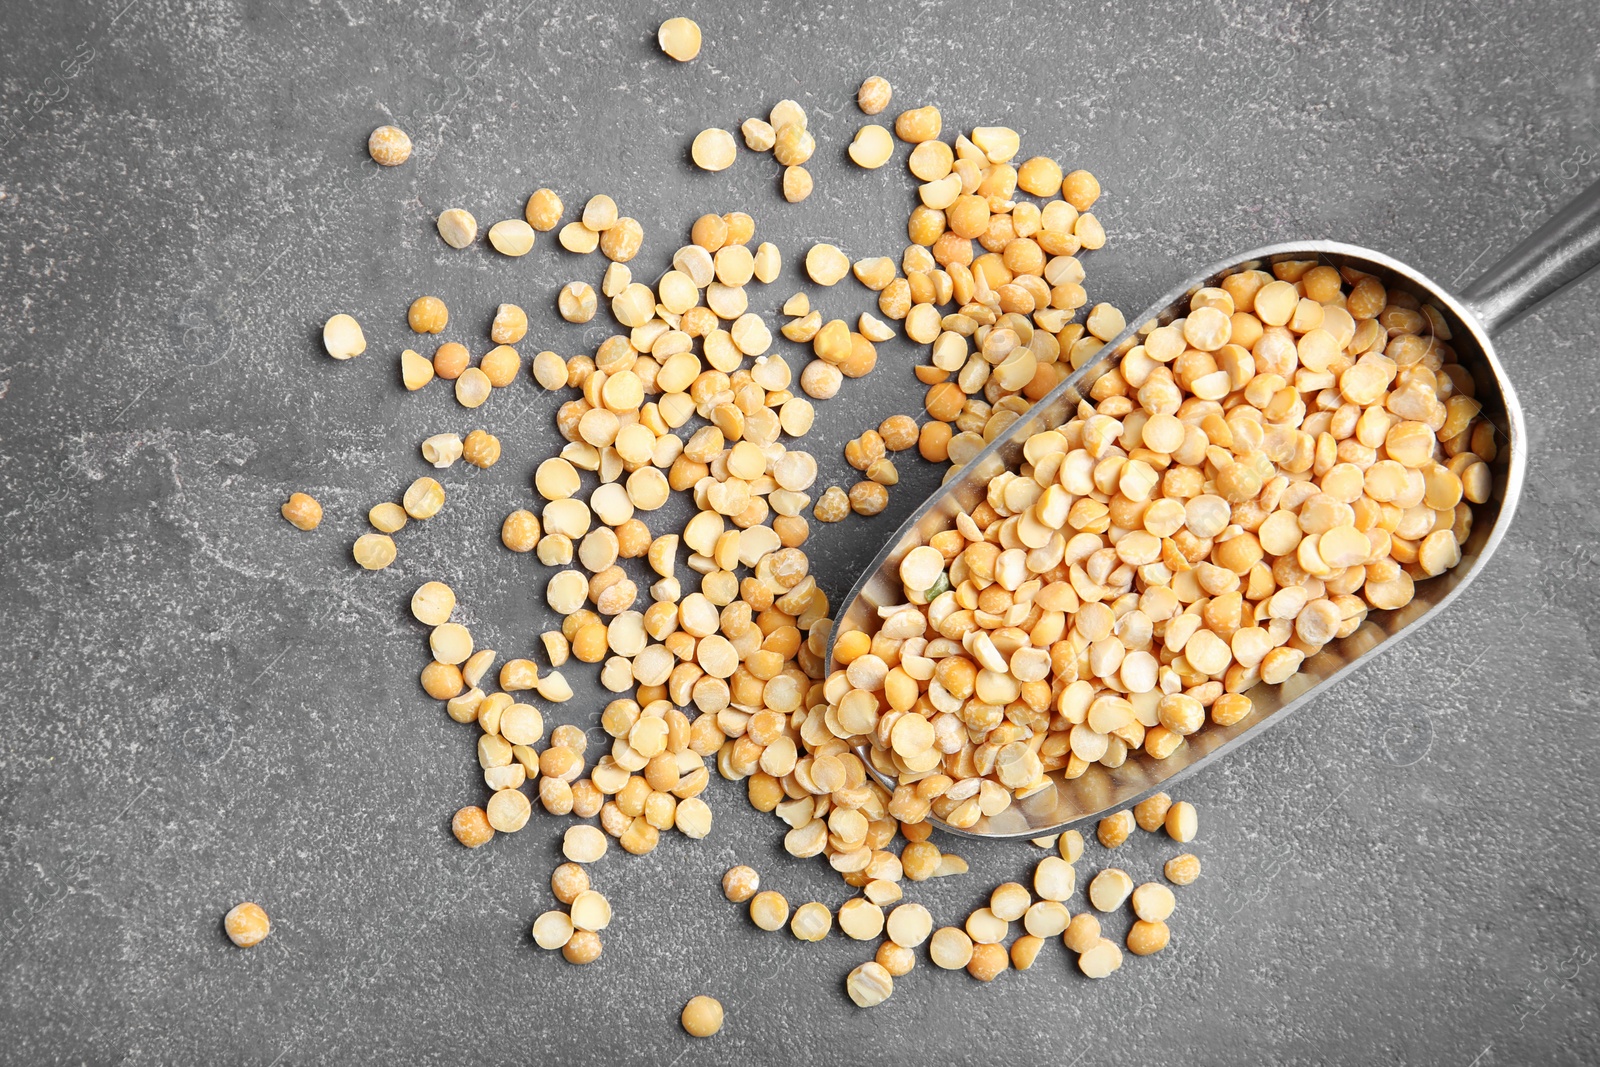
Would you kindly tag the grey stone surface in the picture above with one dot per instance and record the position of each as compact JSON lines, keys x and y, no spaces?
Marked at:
{"x":205,"y":706}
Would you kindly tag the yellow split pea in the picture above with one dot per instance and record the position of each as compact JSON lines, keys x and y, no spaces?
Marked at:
{"x":680,"y":38}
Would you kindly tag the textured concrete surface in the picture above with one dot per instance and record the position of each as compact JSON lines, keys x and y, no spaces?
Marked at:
{"x":206,"y":706}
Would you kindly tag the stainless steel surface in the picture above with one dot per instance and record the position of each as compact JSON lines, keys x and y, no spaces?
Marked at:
{"x":1559,"y":253}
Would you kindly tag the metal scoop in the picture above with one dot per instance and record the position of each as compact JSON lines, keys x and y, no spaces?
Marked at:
{"x":1560,"y":252}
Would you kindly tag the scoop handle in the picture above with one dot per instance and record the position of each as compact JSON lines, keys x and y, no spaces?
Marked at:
{"x":1549,"y":259}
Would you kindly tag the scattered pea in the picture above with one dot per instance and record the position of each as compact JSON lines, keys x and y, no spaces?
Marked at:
{"x":342,"y":337}
{"x":427,"y":314}
{"x":1146,"y":937}
{"x":1151,"y":812}
{"x":1182,"y":869}
{"x":740,"y":883}
{"x":869,"y":985}
{"x":796,"y":184}
{"x":1182,"y":822}
{"x":374,"y":551}
{"x":1109,"y":889}
{"x":871,"y":147}
{"x":389,"y":146}
{"x":769,"y":910}
{"x":247,"y":924}
{"x":301,"y":511}
{"x":387,"y":517}
{"x":543,"y":210}
{"x":811,"y":922}
{"x":471,"y":826}
{"x":873,"y":96}
{"x":680,"y":38}
{"x":512,"y":237}
{"x":713,"y":150}
{"x":457,"y":227}
{"x":702,"y":1016}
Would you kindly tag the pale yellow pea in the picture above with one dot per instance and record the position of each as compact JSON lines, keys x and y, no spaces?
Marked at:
{"x":511,"y":237}
{"x":1145,"y":937}
{"x":767,"y":263}
{"x":576,"y":237}
{"x":473,"y":387}
{"x":566,"y":592}
{"x":797,"y":184}
{"x":872,"y":147}
{"x":940,"y":194}
{"x":576,"y":302}
{"x":583,"y":844}
{"x":508,"y":810}
{"x":1109,"y":889}
{"x":432,"y":603}
{"x":702,"y":1016}
{"x":728,"y":301}
{"x":692,"y":818}
{"x":873,"y":329}
{"x":869,"y":985}
{"x":826,"y":265}
{"x":1182,"y":869}
{"x":1153,"y":902}
{"x":387,"y":517}
{"x":986,"y":928}
{"x":787,"y":113}
{"x":679,"y":38}
{"x":874,"y":95}
{"x":550,"y":370}
{"x":769,"y":910}
{"x":423,"y":498}
{"x":1101,"y":959}
{"x":1105,"y":321}
{"x":696,"y":262}
{"x":374,"y":551}
{"x":909,"y":925}
{"x":932,"y":160}
{"x":416,"y":370}
{"x":622,"y":392}
{"x":811,"y":921}
{"x":860,"y":919}
{"x":634,"y":306}
{"x":758,"y":135}
{"x":1054,"y":878}
{"x":552,"y":930}
{"x":1009,"y":901}
{"x":556,"y":479}
{"x":950,"y":948}
{"x":796,"y":416}
{"x":342,"y":337}
{"x":521,"y":724}
{"x":457,"y":227}
{"x":600,"y":213}
{"x":648,"y":489}
{"x":677,"y":291}
{"x":998,"y":143}
{"x":389,"y":146}
{"x":543,"y":210}
{"x":451,"y":643}
{"x":1182,"y":822}
{"x":442,"y":449}
{"x":713,"y":149}
{"x":740,"y":883}
{"x":590,"y":910}
{"x":751,"y":335}
{"x":1046,"y":918}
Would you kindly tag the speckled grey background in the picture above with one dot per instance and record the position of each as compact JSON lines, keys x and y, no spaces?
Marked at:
{"x":203,"y":705}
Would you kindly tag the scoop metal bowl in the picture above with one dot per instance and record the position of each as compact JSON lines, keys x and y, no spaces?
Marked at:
{"x":1560,"y":252}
